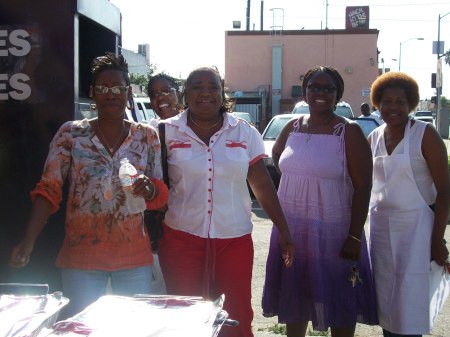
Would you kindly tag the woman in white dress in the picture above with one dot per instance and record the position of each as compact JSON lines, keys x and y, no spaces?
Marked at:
{"x":408,"y":208}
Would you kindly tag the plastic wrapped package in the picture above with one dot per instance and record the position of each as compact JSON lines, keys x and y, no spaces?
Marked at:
{"x":146,"y":316}
{"x":26,"y":316}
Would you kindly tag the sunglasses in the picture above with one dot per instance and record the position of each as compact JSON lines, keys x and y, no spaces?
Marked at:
{"x":100,"y":89}
{"x":164,"y":92}
{"x":326,"y":89}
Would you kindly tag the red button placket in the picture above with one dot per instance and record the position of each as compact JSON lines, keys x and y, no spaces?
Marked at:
{"x":210,"y":175}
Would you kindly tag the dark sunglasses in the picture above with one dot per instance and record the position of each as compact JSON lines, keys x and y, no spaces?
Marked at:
{"x":317,"y":88}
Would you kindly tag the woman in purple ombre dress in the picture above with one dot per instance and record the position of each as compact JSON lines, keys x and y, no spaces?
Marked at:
{"x":326,"y":167}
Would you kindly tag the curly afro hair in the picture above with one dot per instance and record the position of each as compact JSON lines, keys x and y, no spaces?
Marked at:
{"x":395,"y":79}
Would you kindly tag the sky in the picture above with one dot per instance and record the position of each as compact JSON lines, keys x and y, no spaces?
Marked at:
{"x":186,"y":34}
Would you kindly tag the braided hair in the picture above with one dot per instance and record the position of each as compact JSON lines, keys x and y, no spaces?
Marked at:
{"x":162,"y":76}
{"x":333,"y":73}
{"x":109,"y":62}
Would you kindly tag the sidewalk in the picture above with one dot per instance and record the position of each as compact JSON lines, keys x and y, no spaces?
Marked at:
{"x":263,"y":327}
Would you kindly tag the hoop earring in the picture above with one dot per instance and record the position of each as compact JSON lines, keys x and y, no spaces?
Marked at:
{"x":130,"y":104}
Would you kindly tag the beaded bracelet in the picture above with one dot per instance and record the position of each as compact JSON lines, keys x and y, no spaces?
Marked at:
{"x":153,"y":192}
{"x":354,"y":238}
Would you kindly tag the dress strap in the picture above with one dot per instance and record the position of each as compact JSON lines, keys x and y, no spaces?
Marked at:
{"x":339,"y":130}
{"x":298,"y":124}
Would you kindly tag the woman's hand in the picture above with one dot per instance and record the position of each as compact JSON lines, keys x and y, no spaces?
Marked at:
{"x":144,"y":187}
{"x":20,"y":255}
{"x":439,"y":252}
{"x":287,"y":248}
{"x":351,"y":249}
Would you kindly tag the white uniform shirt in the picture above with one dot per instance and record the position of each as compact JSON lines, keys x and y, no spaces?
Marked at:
{"x":208,"y":190}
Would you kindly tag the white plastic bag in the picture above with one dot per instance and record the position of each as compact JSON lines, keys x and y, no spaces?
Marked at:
{"x":158,"y":283}
{"x":439,"y":290}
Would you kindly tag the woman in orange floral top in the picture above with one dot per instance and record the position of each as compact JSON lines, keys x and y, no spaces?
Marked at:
{"x":102,"y":239}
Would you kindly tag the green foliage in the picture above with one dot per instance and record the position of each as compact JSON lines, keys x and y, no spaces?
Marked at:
{"x":447,"y":57}
{"x":444,"y":101}
{"x":142,"y":80}
{"x":317,"y":333}
{"x":280,"y":329}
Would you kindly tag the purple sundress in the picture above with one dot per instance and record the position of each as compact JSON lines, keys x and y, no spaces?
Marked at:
{"x":316,"y":196}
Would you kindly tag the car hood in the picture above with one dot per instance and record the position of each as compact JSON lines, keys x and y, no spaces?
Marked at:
{"x":268,"y":145}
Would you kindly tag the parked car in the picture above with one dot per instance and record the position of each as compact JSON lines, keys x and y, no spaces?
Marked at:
{"x":270,"y":134}
{"x":142,"y":110}
{"x":425,"y":116}
{"x":366,"y":124}
{"x":245,"y":116}
{"x":342,"y":109}
{"x":277,"y":123}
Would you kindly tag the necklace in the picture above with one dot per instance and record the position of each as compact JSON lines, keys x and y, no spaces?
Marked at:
{"x":205,"y":128}
{"x":309,"y":134}
{"x":110,"y":149}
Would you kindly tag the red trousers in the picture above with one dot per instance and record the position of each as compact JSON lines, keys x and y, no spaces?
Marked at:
{"x":195,"y":266}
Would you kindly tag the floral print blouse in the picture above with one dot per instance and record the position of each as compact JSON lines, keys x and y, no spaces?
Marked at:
{"x":99,"y":231}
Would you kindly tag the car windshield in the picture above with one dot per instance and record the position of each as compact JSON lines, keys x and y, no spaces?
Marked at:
{"x":274,"y":128}
{"x":245,"y":116}
{"x":366,"y":124}
{"x":341,"y":110}
{"x":423,"y":114}
{"x":301,"y":109}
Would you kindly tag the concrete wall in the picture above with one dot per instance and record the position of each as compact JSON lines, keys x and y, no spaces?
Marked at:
{"x":352,"y":52}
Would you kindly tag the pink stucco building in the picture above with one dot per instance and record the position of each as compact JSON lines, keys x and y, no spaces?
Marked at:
{"x":272,"y":64}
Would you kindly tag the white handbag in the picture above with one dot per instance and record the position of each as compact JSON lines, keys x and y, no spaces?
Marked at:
{"x":439,"y":289}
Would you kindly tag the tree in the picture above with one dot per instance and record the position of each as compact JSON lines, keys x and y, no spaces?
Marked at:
{"x":444,"y":101}
{"x":142,"y":80}
{"x":447,"y":57}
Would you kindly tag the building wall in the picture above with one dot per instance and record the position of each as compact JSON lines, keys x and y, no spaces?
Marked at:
{"x":138,"y":63}
{"x":352,"y":52}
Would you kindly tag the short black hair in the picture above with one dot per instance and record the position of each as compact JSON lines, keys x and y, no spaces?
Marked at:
{"x":227,"y":103}
{"x":109,"y":62}
{"x":334,"y":74}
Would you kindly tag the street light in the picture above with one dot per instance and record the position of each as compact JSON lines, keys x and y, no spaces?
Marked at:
{"x":400,"y":55}
{"x":384,"y":68}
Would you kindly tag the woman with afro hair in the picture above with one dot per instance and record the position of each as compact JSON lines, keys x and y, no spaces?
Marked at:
{"x":408,"y":207}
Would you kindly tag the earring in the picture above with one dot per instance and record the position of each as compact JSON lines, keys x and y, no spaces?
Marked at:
{"x":130,"y":104}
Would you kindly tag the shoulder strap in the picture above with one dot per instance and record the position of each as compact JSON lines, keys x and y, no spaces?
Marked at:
{"x":162,"y":139}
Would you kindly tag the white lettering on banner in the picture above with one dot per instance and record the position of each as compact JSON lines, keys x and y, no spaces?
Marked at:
{"x":16,"y":81}
{"x":17,"y":38}
{"x":357,"y":17}
{"x":20,"y":46}
{"x":3,"y":77}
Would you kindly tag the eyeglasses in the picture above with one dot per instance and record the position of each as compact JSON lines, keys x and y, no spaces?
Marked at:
{"x":326,"y":89}
{"x":100,"y":89}
{"x":164,"y":92}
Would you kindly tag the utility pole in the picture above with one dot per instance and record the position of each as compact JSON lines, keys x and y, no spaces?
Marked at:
{"x":248,"y":15}
{"x":442,"y":118}
{"x":262,"y":15}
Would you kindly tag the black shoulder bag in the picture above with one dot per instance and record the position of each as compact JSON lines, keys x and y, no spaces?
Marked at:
{"x":154,"y":218}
